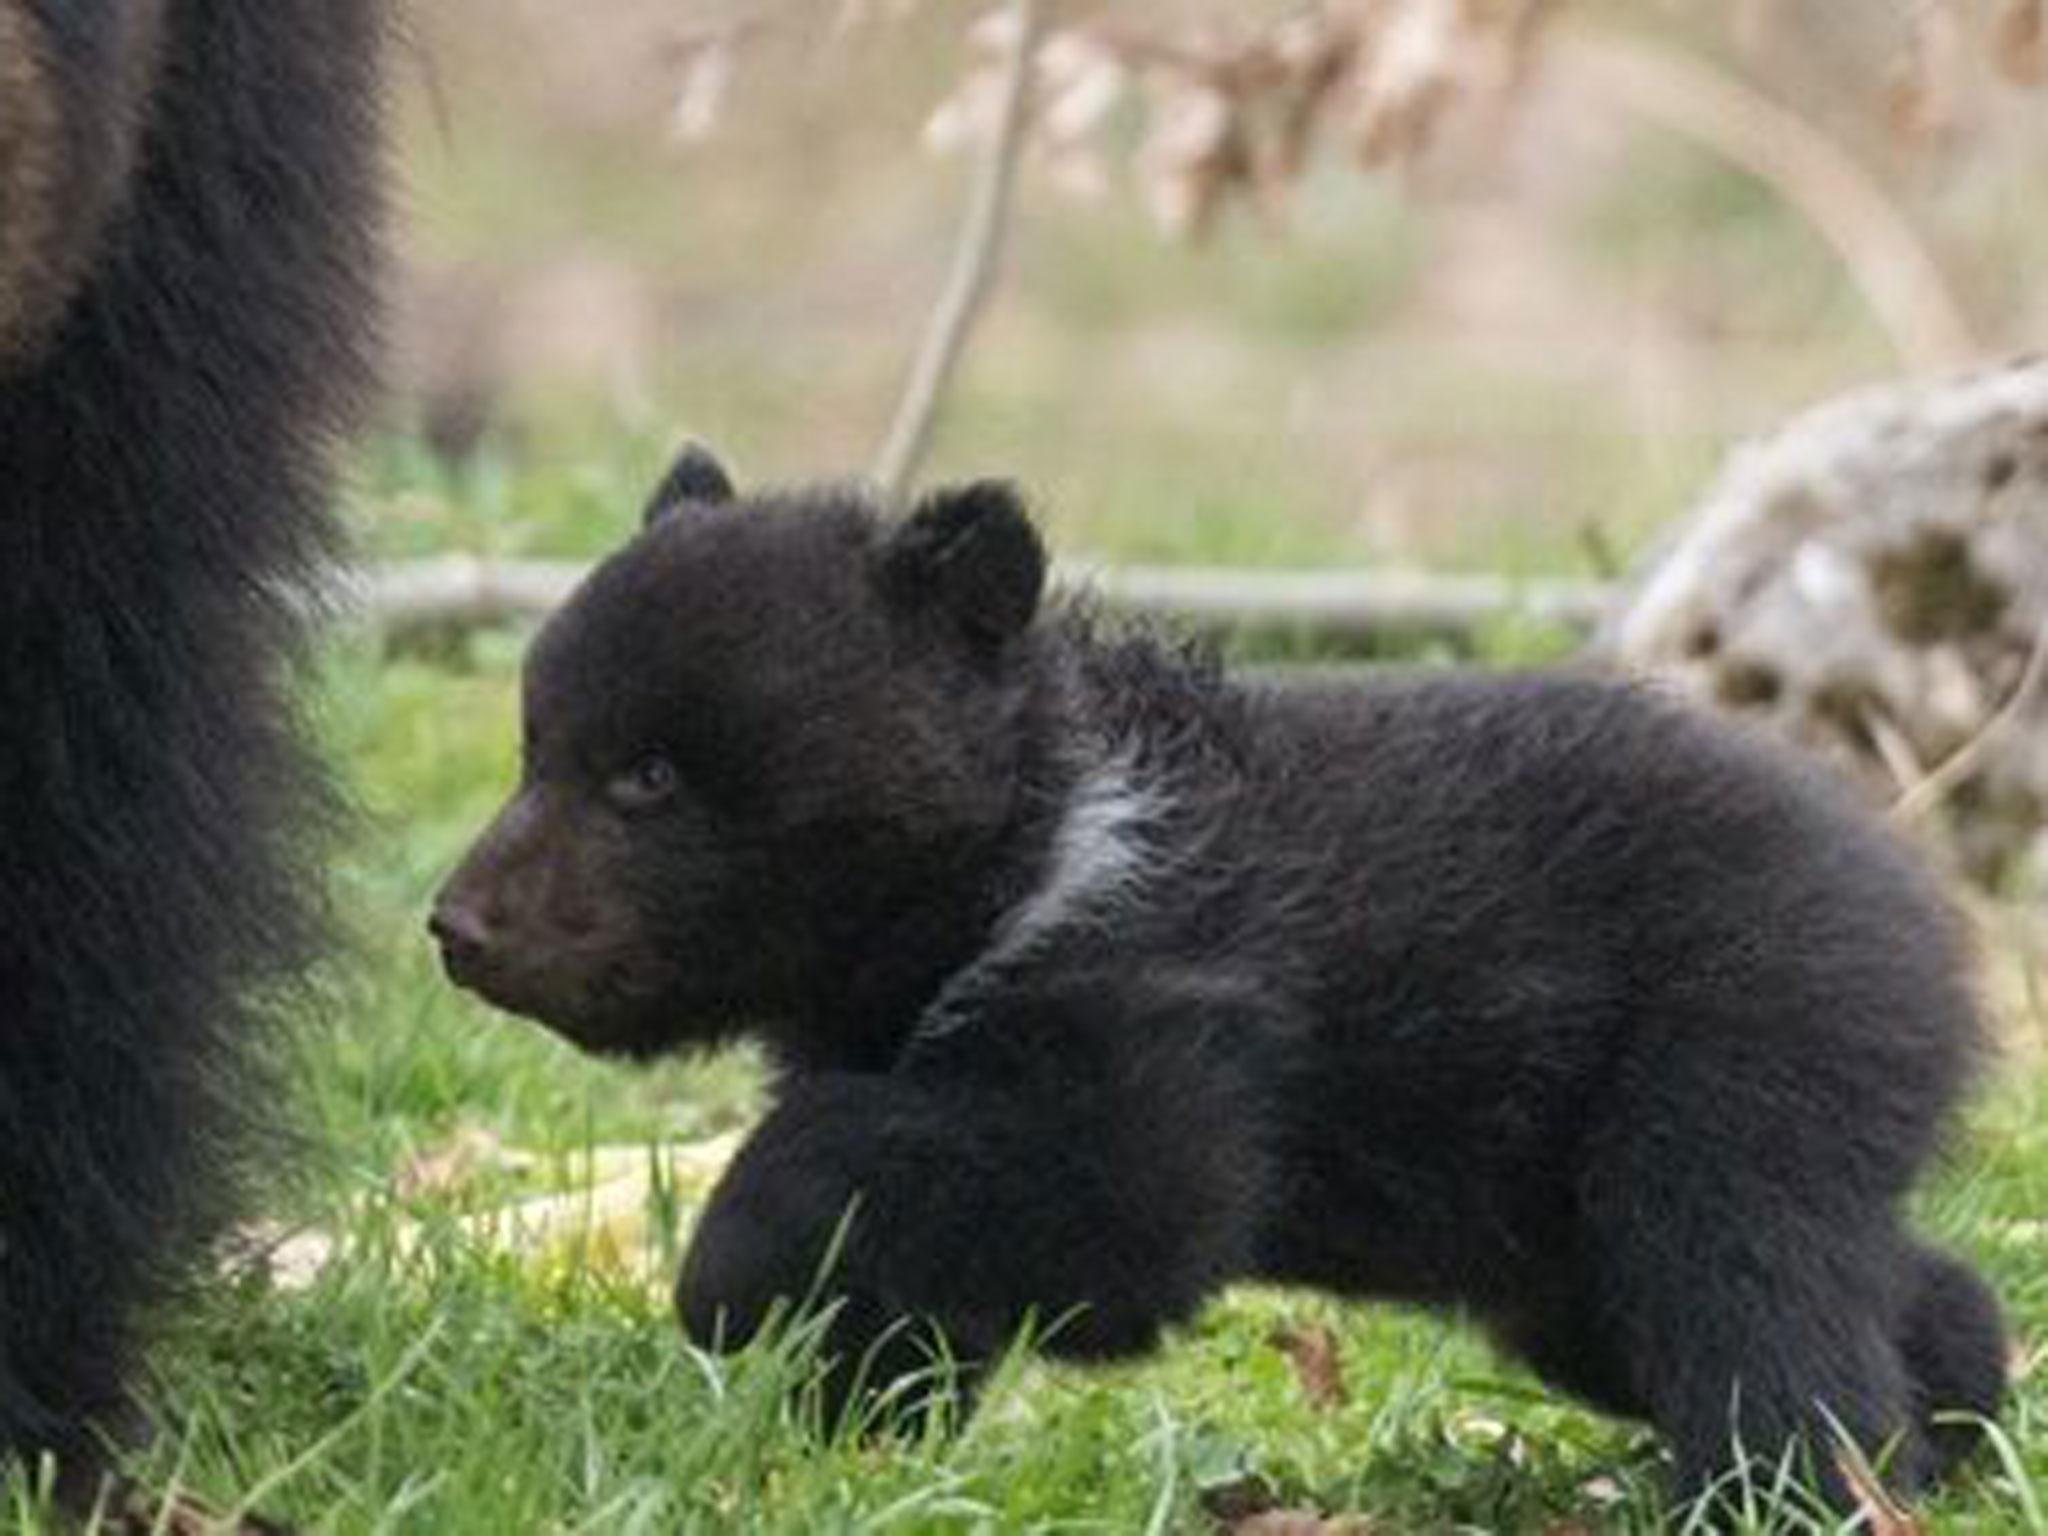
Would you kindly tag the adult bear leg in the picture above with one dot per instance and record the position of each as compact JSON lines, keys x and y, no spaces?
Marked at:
{"x":186,"y":233}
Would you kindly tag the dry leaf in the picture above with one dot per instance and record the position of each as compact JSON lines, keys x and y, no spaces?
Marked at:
{"x":1318,"y":1365}
{"x":1194,"y":154}
{"x":1410,"y":73}
{"x":469,"y":1153}
{"x":1078,"y":86}
{"x":288,"y":1258}
{"x":1519,"y":36}
{"x":2019,"y":41}
{"x":700,"y":95}
{"x":1926,"y":85}
{"x":1883,"y":1515}
{"x":1234,"y":110}
{"x":1316,"y":57}
{"x":1603,"y":1491}
{"x":1080,"y":82}
{"x":1232,"y":1502}
{"x":1300,"y":1522}
{"x":2023,"y":1360}
{"x":968,"y":116}
{"x":135,"y":1512}
{"x":601,"y":1221}
{"x":703,"y":59}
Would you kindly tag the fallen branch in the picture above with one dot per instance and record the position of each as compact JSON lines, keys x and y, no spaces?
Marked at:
{"x":1356,"y":604}
{"x":458,"y":592}
{"x":463,"y":591}
{"x":1942,"y":781}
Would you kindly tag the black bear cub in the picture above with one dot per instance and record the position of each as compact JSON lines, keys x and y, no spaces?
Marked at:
{"x":1097,"y":980}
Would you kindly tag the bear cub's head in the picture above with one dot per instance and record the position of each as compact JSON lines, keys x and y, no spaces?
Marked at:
{"x":763,"y":744}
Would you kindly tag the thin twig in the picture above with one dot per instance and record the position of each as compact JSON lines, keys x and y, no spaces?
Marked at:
{"x":973,"y":268}
{"x":1893,"y":750}
{"x":1941,"y":781}
{"x":1900,"y":279}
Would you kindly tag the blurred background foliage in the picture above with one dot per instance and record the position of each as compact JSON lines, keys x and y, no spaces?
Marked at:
{"x":1522,"y":348}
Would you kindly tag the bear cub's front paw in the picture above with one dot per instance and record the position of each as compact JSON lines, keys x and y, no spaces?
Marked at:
{"x":877,"y":1370}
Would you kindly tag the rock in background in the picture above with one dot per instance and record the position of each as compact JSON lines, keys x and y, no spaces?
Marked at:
{"x":1872,"y":579}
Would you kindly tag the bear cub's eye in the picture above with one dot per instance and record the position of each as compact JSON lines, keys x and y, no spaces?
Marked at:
{"x":648,"y":783}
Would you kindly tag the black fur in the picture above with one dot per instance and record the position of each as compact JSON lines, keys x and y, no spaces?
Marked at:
{"x":1531,"y":996}
{"x":695,"y":476}
{"x":200,"y":312}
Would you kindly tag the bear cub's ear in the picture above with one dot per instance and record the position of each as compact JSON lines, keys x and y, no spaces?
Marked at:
{"x":969,"y":553}
{"x":696,"y":478}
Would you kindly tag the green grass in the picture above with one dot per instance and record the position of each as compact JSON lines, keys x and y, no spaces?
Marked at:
{"x":428,"y":1382}
{"x":437,"y":1385}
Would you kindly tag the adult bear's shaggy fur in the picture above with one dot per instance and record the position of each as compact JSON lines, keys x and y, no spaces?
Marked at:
{"x":1102,"y":980}
{"x":186,"y":241}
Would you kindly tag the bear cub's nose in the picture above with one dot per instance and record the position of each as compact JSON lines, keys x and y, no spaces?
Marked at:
{"x":464,"y":936}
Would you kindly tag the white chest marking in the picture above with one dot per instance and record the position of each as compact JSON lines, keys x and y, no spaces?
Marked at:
{"x":1100,"y":856}
{"x":1099,"y":853}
